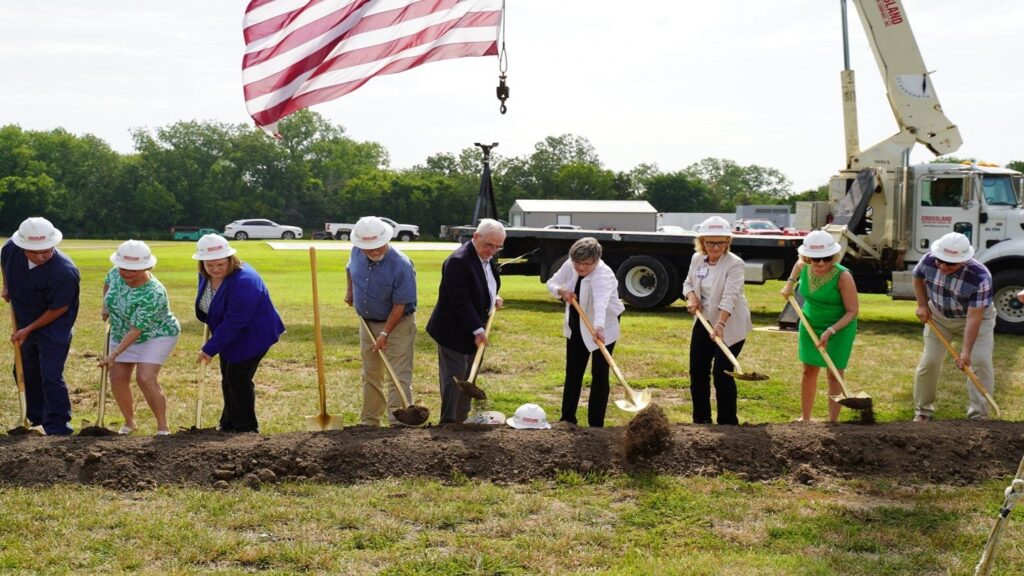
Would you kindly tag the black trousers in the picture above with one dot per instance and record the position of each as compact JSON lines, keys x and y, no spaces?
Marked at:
{"x":576,"y":358}
{"x":239,"y":414}
{"x":706,"y":361}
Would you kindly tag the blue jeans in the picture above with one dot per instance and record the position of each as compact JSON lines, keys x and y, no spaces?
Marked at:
{"x":46,"y":393}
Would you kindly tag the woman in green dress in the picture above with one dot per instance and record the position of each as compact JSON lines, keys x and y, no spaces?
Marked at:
{"x":830,"y":304}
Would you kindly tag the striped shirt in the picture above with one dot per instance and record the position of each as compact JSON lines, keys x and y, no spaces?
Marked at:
{"x":953,"y":294}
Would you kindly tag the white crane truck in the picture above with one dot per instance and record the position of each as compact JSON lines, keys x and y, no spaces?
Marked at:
{"x":884,"y":212}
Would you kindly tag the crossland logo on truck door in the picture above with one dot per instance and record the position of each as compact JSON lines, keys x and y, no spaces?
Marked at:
{"x":890,"y":11}
{"x":940,"y":210}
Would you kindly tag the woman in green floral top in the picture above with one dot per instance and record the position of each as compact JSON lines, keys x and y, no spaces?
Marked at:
{"x":143,"y":332}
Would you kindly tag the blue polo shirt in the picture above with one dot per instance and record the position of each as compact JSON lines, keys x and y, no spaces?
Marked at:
{"x":953,"y":294}
{"x":378,"y":286}
{"x":48,"y":287}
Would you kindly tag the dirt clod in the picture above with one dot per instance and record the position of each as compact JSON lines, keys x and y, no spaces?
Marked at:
{"x":412,"y":415}
{"x":647,"y":435}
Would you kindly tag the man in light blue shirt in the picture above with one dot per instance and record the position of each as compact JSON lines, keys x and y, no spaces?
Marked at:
{"x":381,"y":285}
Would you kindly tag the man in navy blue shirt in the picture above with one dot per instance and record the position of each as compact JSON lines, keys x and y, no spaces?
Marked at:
{"x":954,"y":291}
{"x":381,"y":285}
{"x":42,"y":286}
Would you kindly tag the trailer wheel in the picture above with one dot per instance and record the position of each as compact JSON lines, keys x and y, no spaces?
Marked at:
{"x":1009,"y":313}
{"x":556,"y":266}
{"x":342,"y":235}
{"x":675,"y":284}
{"x":644,"y":281}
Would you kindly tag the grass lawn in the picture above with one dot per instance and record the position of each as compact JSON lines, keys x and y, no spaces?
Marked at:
{"x":571,"y":524}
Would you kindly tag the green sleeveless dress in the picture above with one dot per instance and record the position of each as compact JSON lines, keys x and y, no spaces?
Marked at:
{"x":823,"y":308}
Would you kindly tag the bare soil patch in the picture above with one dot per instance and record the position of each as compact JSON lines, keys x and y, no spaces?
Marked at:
{"x":950,"y":452}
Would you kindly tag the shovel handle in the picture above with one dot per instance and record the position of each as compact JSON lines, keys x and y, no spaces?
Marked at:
{"x":479,"y":357}
{"x":388,"y":367}
{"x":321,"y":378}
{"x":725,"y":349}
{"x":202,"y":380}
{"x":817,"y":344}
{"x":604,"y":351}
{"x":19,"y":372}
{"x":101,"y":408}
{"x":966,"y":369}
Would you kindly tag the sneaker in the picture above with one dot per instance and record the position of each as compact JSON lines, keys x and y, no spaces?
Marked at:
{"x":163,"y":432}
{"x":126,"y":430}
{"x":922,"y":418}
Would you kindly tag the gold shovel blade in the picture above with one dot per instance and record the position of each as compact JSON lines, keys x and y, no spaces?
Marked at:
{"x":636,"y":403}
{"x":322,"y":422}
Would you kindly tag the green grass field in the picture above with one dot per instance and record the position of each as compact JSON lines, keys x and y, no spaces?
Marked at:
{"x":590,"y":524}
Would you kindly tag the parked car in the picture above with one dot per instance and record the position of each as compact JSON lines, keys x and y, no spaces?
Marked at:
{"x":755,"y":227}
{"x":193,"y":233}
{"x":563,"y":227}
{"x":258,"y":228}
{"x":403,"y":232}
{"x":672,"y":229}
{"x":795,"y":232}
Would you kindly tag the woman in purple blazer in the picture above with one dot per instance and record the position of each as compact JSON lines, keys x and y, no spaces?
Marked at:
{"x":233,"y":301}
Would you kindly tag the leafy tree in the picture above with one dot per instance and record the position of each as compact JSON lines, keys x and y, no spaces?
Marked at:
{"x":1017,"y":165}
{"x":678,"y":192}
{"x":732,"y":184}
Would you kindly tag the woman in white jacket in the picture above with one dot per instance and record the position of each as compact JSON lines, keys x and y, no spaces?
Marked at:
{"x":593,"y":284}
{"x":714,"y":285}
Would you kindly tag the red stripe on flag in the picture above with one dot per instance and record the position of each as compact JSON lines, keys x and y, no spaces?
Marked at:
{"x":448,"y":51}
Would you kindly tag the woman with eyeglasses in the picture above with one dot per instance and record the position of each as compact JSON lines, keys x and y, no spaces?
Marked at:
{"x":830,"y":304}
{"x":714,"y":286}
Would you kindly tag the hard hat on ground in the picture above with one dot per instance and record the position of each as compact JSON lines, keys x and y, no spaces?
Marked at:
{"x":953,"y":248}
{"x":36,"y":234}
{"x":529,"y":416}
{"x":490,"y":417}
{"x":371,"y":233}
{"x":715,"y":226}
{"x":213,"y":247}
{"x":819,"y":244}
{"x":133,"y":255}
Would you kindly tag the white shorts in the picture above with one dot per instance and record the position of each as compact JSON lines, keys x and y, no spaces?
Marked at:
{"x":152,"y":351}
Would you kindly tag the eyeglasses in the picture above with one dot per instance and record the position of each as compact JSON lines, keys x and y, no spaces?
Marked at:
{"x":493,"y":246}
{"x":822,"y":259}
{"x":715,"y":243}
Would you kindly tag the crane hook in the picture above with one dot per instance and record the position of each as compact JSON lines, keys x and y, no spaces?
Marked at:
{"x":502,"y":92}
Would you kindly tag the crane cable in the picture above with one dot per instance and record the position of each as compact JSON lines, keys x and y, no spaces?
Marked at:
{"x":502,"y":90}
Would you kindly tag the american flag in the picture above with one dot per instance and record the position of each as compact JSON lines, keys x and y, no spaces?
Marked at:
{"x":302,"y":52}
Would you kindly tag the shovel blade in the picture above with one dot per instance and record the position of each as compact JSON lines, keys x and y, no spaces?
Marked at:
{"x":858,"y":401}
{"x":470,"y":389}
{"x":635,"y":403}
{"x":322,"y":422}
{"x":412,"y":415}
{"x":749,"y":376}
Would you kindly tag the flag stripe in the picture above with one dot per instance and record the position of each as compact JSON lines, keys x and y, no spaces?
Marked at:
{"x":303,"y":52}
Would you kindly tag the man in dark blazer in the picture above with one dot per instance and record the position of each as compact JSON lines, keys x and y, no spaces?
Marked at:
{"x":469,"y":289}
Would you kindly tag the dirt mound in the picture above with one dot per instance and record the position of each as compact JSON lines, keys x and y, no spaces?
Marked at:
{"x":951,"y":452}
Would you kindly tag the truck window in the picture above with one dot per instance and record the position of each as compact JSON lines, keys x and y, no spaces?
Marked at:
{"x":999,"y":190}
{"x":945,"y":192}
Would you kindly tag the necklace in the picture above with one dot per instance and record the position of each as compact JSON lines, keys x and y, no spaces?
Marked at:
{"x":815,"y":282}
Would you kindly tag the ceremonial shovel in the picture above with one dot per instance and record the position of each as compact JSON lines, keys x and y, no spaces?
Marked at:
{"x":634,"y":401}
{"x":322,"y":421}
{"x":468,"y":386}
{"x":737,"y":372}
{"x":409,"y":414}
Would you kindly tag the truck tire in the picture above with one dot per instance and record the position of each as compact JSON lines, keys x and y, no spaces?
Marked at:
{"x":556,"y":266}
{"x":342,"y":235}
{"x":675,"y":283}
{"x":405,"y":236}
{"x":644,"y":281}
{"x":1009,"y":313}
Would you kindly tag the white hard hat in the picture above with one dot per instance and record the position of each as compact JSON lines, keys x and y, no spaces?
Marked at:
{"x":715,"y":226}
{"x":133,"y":255}
{"x":529,"y":416}
{"x":819,"y":244}
{"x":490,"y":417}
{"x":213,"y":247}
{"x":953,"y":248}
{"x":36,"y":234}
{"x":370,"y":233}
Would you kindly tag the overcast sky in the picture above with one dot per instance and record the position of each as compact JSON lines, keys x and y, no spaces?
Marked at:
{"x":659,"y":81}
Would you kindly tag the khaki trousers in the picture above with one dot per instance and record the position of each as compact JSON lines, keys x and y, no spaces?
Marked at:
{"x":376,"y":380}
{"x":926,"y":379}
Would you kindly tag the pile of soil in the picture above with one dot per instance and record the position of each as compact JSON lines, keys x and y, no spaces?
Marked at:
{"x":949,"y":452}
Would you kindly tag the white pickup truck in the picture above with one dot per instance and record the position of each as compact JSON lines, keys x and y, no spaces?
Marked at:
{"x":403,"y":232}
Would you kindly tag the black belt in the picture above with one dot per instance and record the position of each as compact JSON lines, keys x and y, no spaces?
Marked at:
{"x":373,"y":320}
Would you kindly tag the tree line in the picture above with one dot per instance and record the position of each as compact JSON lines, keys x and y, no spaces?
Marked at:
{"x":208,"y":174}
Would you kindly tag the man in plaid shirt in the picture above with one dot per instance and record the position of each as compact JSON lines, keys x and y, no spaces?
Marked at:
{"x":954,"y":291}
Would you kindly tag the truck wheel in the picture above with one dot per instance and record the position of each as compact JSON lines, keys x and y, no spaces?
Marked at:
{"x":241,"y":236}
{"x":342,"y":235}
{"x":1009,"y":313}
{"x":675,"y":285}
{"x":405,"y":236}
{"x":288,"y":236}
{"x":644,"y":281}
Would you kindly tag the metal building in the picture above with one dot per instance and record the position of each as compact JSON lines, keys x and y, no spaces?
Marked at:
{"x":635,"y":215}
